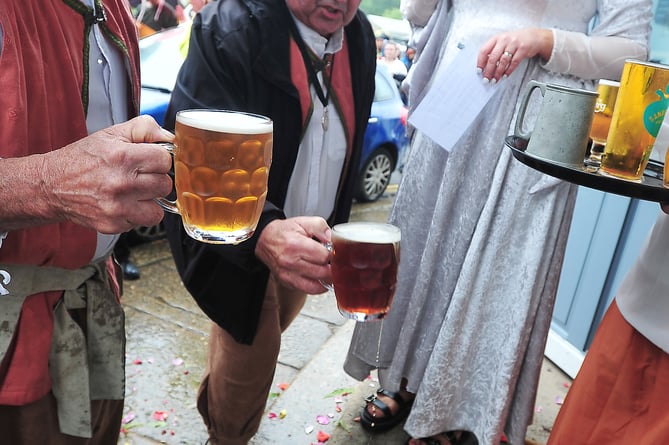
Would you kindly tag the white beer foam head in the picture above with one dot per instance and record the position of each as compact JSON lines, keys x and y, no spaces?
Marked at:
{"x":368,"y":232}
{"x":225,"y":121}
{"x":611,"y":83}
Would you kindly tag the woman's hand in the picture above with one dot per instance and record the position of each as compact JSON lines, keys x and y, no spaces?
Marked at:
{"x":502,"y":54}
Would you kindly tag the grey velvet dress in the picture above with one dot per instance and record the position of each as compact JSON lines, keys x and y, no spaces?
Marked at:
{"x":483,"y":236}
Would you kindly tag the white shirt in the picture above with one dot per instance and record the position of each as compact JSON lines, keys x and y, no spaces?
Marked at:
{"x":107,"y":100}
{"x":643,"y":296}
{"x":313,"y":186}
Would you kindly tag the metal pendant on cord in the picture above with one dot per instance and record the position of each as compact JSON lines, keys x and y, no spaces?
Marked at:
{"x":313,"y":65}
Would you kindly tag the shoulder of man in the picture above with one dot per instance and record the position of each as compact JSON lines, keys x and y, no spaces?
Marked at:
{"x":233,"y":15}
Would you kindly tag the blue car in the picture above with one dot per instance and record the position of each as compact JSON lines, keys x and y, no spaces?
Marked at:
{"x":385,"y":141}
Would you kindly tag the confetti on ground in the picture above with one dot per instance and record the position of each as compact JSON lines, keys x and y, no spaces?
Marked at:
{"x":128,"y":418}
{"x":177,"y":362}
{"x":341,"y":424}
{"x":322,"y":436}
{"x":323,"y":420}
{"x":282,"y":414}
{"x":136,"y":362}
{"x":538,"y":409}
{"x":272,"y":415}
{"x":160,"y":416}
{"x":309,"y":429}
{"x":566,"y":384}
{"x":283,"y":386}
{"x":339,"y":392}
{"x":558,"y":400}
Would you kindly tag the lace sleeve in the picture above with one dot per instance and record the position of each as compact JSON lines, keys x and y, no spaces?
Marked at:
{"x":621,"y":31}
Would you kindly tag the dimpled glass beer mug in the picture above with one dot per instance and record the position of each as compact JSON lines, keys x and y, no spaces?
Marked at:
{"x":640,"y":108}
{"x":364,"y":261}
{"x":601,"y":121}
{"x":221,"y":165}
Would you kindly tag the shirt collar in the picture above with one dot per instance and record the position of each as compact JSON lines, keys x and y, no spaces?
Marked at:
{"x":317,"y":43}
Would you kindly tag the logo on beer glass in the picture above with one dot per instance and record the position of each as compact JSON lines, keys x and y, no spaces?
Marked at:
{"x":221,"y":167}
{"x":637,"y":119}
{"x":364,"y":262}
{"x":654,"y":113}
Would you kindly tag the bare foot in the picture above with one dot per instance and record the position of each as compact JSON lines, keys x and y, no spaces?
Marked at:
{"x":391,"y":403}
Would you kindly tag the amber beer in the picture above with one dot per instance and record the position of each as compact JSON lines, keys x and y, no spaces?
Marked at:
{"x":221,"y":166}
{"x":601,"y":121}
{"x":640,"y":108}
{"x":364,"y":268}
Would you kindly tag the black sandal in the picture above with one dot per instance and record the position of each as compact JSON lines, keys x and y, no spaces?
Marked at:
{"x":449,"y":435}
{"x":389,"y":420}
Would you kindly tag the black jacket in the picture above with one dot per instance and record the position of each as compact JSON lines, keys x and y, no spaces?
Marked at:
{"x":239,"y":59}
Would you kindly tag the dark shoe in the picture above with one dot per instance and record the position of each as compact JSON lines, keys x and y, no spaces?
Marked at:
{"x":448,"y":438}
{"x":130,"y":270}
{"x":389,"y":420}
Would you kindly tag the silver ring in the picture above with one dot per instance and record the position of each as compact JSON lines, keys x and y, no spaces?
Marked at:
{"x":508,"y":54}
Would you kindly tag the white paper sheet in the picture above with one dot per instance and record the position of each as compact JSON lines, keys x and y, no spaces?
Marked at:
{"x":454,"y":100}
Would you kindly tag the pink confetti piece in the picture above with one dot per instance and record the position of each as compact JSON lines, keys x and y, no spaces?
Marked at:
{"x":177,"y":362}
{"x":136,"y":362}
{"x":128,"y":418}
{"x":322,"y":436}
{"x":272,"y":415}
{"x":283,"y":386}
{"x":538,"y":409}
{"x":323,"y":420}
{"x":160,"y":416}
{"x":566,"y":384}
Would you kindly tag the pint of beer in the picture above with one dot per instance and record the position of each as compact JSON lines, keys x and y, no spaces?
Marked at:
{"x":221,"y":166}
{"x":640,"y":108}
{"x":365,"y":258}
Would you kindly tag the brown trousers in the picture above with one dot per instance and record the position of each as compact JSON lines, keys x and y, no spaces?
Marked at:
{"x":238,"y":377}
{"x":37,"y":424}
{"x":619,"y":396}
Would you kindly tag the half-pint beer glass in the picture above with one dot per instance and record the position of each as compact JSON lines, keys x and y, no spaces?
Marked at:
{"x":221,"y":165}
{"x":640,"y":108}
{"x":601,"y":121}
{"x":364,"y":261}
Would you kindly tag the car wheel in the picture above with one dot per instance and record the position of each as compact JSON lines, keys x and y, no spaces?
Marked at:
{"x":375,"y":175}
{"x":144,"y":234}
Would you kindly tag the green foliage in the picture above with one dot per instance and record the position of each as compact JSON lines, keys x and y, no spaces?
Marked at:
{"x":385,"y":8}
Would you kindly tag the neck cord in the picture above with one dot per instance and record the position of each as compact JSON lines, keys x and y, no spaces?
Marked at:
{"x":313,"y":64}
{"x":91,"y":16}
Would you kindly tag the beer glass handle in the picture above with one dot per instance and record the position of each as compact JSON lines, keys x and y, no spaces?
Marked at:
{"x":531,"y":85}
{"x":166,"y":204}
{"x":328,"y":286}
